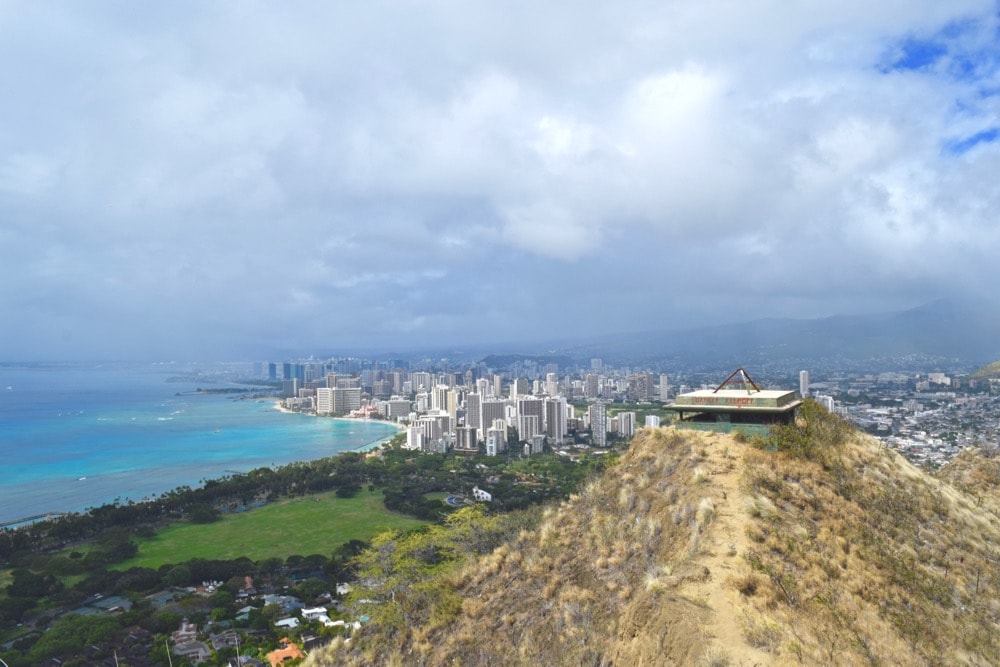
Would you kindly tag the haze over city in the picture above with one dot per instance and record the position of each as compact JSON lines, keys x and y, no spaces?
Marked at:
{"x":209,"y":179}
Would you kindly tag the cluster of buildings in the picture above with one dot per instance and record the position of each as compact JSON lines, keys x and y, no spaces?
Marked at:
{"x":476,"y":410}
{"x":929,"y":418}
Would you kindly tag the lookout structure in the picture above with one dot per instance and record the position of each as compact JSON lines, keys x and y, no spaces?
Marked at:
{"x":737,"y":404}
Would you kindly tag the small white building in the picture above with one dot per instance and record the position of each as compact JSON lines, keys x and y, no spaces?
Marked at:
{"x":317,"y":614}
{"x":481,"y":496}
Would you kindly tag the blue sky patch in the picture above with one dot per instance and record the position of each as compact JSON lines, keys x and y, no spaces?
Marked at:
{"x":960,"y":146}
{"x":916,"y":54}
{"x":960,"y":44}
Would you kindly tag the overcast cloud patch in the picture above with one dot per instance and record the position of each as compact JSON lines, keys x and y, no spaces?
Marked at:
{"x":317,"y":175}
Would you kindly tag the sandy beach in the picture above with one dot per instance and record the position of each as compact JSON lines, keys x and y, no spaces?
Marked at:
{"x":399,"y":427}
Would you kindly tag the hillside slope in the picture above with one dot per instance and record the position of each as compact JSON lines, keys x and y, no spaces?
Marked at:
{"x":987,"y":372}
{"x":700,"y":549}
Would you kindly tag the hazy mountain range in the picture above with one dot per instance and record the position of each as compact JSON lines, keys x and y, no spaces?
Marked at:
{"x":952,"y":333}
{"x":963,"y":332}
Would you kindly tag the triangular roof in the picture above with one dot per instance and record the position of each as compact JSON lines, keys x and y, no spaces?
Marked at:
{"x":742,"y":378}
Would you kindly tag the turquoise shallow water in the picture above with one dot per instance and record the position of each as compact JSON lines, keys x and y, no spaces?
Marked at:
{"x":73,"y":437}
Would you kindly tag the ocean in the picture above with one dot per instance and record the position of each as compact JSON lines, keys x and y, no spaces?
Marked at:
{"x":78,"y":436}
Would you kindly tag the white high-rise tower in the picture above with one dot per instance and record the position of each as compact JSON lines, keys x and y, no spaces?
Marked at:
{"x":804,"y":383}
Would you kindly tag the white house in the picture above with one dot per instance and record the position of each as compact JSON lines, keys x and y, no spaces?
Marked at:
{"x":317,"y":614}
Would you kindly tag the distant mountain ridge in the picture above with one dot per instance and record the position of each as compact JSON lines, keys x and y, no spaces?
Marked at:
{"x":945,"y":333}
{"x":963,"y":331}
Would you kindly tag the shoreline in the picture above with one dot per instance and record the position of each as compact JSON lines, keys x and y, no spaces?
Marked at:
{"x":113,"y":434}
{"x":367,"y":447}
{"x":199,"y":445}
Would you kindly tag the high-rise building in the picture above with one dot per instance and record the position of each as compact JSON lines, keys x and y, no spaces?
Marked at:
{"x":496,"y":441}
{"x":664,"y":387}
{"x":346,"y":399}
{"x":435,"y":427}
{"x":467,"y":440}
{"x":414,"y":438}
{"x":439,"y":397}
{"x":640,"y":386}
{"x":531,"y":406}
{"x":347,"y":382}
{"x":324,"y":400}
{"x":474,"y":410}
{"x":555,"y":418}
{"x":598,"y":417}
{"x":492,"y":410}
{"x":652,"y":421}
{"x":804,"y":383}
{"x":396,"y":408}
{"x":551,"y":384}
{"x":369,"y":377}
{"x":421,"y":379}
{"x":518,"y":387}
{"x":626,"y":424}
{"x":591,"y":386}
{"x":527,"y":427}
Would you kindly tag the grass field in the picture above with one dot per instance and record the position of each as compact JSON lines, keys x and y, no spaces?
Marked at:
{"x":315,"y":524}
{"x":436,"y":495}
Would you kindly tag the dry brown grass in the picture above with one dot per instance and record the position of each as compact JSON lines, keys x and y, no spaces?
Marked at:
{"x":869,"y":560}
{"x":848,"y":557}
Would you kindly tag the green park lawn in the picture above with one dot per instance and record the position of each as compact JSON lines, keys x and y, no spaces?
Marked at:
{"x":315,"y":524}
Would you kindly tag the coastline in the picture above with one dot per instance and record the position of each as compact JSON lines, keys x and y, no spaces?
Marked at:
{"x":367,"y":447}
{"x":120,"y":436}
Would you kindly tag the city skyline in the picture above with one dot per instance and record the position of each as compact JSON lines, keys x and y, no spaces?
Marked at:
{"x":208,"y":180}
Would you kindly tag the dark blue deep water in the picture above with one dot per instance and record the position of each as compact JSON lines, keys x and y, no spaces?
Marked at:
{"x":74,"y":436}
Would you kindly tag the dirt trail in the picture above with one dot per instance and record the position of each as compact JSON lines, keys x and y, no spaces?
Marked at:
{"x":722,"y":552}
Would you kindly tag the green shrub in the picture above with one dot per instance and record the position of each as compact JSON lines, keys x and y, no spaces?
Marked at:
{"x":814,"y":434}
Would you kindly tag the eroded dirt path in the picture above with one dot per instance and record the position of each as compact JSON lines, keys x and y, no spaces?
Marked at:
{"x":722,"y":552}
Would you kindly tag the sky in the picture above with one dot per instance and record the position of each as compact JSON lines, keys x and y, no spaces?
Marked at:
{"x":207,"y":179}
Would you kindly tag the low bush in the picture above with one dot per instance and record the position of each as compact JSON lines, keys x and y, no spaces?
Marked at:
{"x":815,"y":434}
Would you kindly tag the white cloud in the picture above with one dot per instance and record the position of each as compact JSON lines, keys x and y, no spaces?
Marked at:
{"x":232,"y":160}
